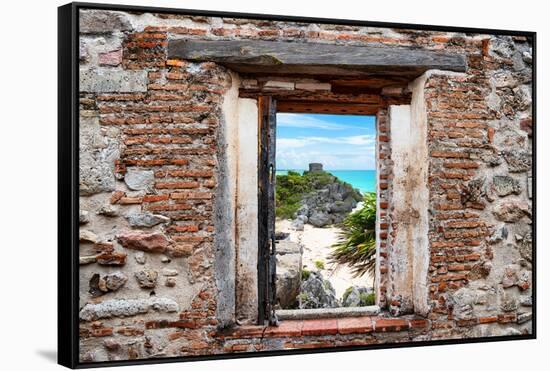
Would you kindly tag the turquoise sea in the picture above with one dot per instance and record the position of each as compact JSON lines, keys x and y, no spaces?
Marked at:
{"x":364,"y":180}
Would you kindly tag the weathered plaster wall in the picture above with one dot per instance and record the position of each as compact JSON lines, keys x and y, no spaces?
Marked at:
{"x":247,"y":213}
{"x":159,"y":244}
{"x":401,"y":250}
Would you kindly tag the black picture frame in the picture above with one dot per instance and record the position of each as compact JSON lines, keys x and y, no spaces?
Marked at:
{"x":68,"y":181}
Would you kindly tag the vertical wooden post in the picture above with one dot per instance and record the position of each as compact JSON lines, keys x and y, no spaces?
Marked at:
{"x":266,"y":210}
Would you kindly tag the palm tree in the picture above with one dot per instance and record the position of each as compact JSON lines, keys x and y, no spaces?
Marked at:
{"x":356,"y":246}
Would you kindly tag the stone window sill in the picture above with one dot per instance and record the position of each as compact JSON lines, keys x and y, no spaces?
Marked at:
{"x":328,"y":326}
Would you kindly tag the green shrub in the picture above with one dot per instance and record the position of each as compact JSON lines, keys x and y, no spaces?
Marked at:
{"x":366,"y":299}
{"x":356,"y":246}
{"x":305,"y":274}
{"x":319,"y":264}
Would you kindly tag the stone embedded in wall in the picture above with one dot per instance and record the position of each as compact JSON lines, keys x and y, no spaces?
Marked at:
{"x":526,"y":247}
{"x":508,"y":303}
{"x":85,"y":260}
{"x":108,"y":210}
{"x":474,"y":191}
{"x":167,"y":272}
{"x":526,"y":301}
{"x":126,"y":308}
{"x":146,"y":219}
{"x":103,"y":21}
{"x":111,"y":258}
{"x":147,"y":278}
{"x":511,"y":212}
{"x":180,"y":250}
{"x":139,"y":180}
{"x":103,"y":80}
{"x":83,"y":217}
{"x":88,"y":236}
{"x":111,"y":344}
{"x":97,"y":157}
{"x":110,"y":58}
{"x":462,"y":302}
{"x":524,"y":317}
{"x":140,"y":257}
{"x":518,"y":161}
{"x":100,"y":285}
{"x":510,"y":276}
{"x":505,"y":185}
{"x":148,"y":242}
{"x":499,"y":235}
{"x":170,"y":282}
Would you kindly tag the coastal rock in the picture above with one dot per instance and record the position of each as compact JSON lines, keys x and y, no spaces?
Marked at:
{"x":317,"y":293}
{"x":319,"y":219}
{"x":297,"y":224}
{"x":289,"y":271}
{"x":357,"y":296}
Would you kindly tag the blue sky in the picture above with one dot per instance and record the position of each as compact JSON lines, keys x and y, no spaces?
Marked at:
{"x":339,"y":142}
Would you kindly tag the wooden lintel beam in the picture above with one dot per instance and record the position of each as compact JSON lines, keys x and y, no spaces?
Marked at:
{"x":260,"y":56}
{"x":327,"y":107}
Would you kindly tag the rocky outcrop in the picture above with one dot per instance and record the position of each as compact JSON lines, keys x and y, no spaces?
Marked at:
{"x":317,"y":292}
{"x":357,"y":296}
{"x":289,"y":272}
{"x":327,"y":205}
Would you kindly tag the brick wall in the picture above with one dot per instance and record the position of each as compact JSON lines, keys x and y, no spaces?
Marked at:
{"x":151,"y":162}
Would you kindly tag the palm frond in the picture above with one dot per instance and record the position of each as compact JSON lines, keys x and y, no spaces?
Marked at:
{"x":356,"y":246}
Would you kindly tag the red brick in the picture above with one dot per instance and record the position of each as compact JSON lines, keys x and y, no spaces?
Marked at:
{"x":450,"y":154}
{"x":285,"y":328}
{"x":354,"y":325}
{"x":191,"y":195}
{"x":320,"y":327}
{"x":100,"y":332}
{"x":461,"y":165}
{"x":130,"y":200}
{"x":489,"y":319}
{"x":418,"y":323}
{"x":116,"y":196}
{"x":183,"y":228}
{"x":191,"y":173}
{"x":390,"y":324}
{"x":177,"y":185}
{"x":155,"y":198}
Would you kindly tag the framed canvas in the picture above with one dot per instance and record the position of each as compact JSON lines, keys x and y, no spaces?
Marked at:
{"x":235,"y":185}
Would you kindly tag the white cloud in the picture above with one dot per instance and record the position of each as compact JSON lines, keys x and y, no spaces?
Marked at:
{"x":354,"y":140}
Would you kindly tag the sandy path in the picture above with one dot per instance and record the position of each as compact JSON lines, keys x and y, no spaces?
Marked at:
{"x":317,"y":244}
